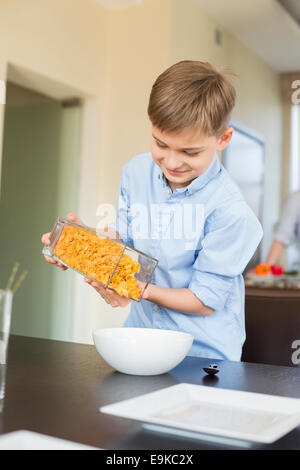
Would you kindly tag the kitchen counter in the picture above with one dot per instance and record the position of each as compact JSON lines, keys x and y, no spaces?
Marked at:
{"x":272,"y":318}
{"x":273,"y":283}
{"x":272,"y":291}
{"x":56,"y":388}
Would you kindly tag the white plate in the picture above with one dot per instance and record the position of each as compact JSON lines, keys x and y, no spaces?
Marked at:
{"x":231,"y":414}
{"x":28,"y":440}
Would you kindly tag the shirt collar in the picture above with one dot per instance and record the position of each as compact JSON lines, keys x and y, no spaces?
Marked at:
{"x":199,"y":182}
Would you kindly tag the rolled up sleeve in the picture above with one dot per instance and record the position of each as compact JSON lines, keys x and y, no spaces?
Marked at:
{"x":231,"y":237}
{"x":211,"y":289}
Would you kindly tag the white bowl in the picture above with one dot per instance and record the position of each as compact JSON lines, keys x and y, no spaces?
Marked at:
{"x":142,"y":351}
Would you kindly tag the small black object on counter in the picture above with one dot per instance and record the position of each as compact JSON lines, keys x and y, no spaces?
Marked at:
{"x":212,"y":369}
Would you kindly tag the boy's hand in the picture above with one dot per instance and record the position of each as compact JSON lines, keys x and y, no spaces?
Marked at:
{"x":114,"y":299}
{"x":46,"y":241}
{"x":110,"y":297}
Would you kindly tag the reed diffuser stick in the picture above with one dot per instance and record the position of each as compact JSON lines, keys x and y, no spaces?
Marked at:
{"x":19,"y":282}
{"x":12,"y":276}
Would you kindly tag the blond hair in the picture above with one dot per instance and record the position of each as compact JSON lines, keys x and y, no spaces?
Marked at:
{"x":192,"y":94}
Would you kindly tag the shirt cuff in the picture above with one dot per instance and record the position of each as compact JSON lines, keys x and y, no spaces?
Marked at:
{"x":214,"y":297}
{"x":283,"y":238}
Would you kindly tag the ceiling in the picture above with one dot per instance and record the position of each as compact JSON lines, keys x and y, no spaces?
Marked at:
{"x":271,"y":28}
{"x":265,"y":26}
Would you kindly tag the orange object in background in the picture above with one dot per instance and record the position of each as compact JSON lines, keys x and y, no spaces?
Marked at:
{"x":262,"y":269}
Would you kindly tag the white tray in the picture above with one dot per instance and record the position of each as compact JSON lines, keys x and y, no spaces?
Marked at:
{"x":198,"y":409}
{"x":28,"y":440}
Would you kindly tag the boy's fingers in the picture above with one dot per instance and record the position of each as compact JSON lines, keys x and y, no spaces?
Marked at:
{"x":74,"y":218}
{"x":102,"y":292}
{"x":106,"y":294}
{"x":110,"y":297}
{"x":49,"y":260}
{"x":46,"y":241}
{"x":113,"y":296}
{"x":97,"y":286}
{"x":46,"y":238}
{"x":52,"y":261}
{"x":71,"y":216}
{"x":145,"y":294}
{"x":117,"y":300}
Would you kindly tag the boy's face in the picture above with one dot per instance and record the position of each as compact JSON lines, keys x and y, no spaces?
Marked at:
{"x":185,"y":155}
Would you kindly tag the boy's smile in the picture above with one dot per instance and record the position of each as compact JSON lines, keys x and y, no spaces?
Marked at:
{"x":184,"y":156}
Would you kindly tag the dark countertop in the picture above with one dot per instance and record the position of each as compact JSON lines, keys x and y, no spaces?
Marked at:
{"x":264,"y":291}
{"x":272,"y":319}
{"x":56,"y":388}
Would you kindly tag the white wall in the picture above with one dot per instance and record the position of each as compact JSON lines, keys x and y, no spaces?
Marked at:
{"x":113,"y":57}
{"x":259,"y":103}
{"x":59,"y":46}
{"x":141,"y":43}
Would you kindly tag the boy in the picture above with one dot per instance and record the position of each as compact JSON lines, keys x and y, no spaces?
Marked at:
{"x":198,"y":285}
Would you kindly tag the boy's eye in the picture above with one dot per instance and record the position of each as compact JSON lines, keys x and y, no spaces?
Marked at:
{"x":192,"y":154}
{"x":162,"y":146}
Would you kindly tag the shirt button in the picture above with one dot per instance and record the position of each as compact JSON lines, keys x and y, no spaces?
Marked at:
{"x":155,"y":307}
{"x":169,"y":191}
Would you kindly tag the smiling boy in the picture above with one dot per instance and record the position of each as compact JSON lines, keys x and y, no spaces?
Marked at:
{"x":198,"y":285}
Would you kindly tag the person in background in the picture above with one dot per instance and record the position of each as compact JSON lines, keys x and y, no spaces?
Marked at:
{"x":288,"y":229}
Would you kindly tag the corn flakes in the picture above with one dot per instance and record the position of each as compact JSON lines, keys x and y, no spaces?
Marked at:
{"x":97,"y":258}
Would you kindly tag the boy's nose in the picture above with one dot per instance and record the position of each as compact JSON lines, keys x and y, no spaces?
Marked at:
{"x":172,"y":162}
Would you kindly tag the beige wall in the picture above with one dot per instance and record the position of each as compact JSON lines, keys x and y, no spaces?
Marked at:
{"x":63,"y":40}
{"x":141,"y":43}
{"x":115,"y":56}
{"x":138,"y":45}
{"x":258,"y":90}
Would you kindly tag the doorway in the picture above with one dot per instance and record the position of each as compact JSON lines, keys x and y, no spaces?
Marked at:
{"x":39,"y":182}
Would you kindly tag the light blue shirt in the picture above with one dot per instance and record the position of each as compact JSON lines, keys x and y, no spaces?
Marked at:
{"x":219,"y":235}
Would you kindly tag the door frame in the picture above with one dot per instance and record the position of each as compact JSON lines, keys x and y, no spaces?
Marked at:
{"x":85,"y":301}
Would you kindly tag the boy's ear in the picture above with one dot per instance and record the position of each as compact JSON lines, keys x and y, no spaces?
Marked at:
{"x":225,"y":138}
